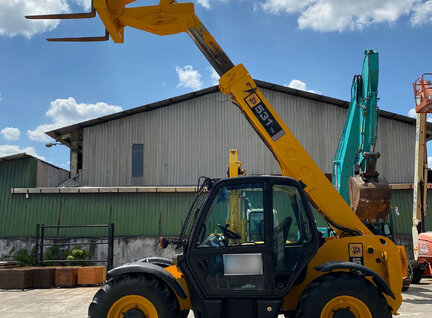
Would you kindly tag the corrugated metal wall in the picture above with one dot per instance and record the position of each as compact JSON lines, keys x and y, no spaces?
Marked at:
{"x":134,"y":214}
{"x":402,"y":210}
{"x":192,"y":138}
{"x":141,"y":214}
{"x":50,"y":176}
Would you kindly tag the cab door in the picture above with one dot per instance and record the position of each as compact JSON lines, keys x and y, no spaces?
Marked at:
{"x":246,"y":246}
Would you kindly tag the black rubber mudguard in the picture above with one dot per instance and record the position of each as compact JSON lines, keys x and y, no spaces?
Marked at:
{"x":377,"y":279}
{"x":150,"y":269}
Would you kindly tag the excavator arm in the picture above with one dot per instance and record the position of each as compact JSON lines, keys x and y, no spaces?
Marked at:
{"x":354,"y":166}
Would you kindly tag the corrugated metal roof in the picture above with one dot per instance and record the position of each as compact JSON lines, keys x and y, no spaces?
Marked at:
{"x":170,"y":101}
{"x":23,"y":155}
{"x":66,"y":190}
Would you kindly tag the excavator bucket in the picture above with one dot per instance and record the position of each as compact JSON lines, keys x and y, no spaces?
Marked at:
{"x":67,"y":16}
{"x":370,"y":200}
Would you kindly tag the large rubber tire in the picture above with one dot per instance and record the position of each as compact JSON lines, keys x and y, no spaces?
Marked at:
{"x":344,"y":295}
{"x":406,"y":282}
{"x":134,"y":296}
{"x":417,"y":273}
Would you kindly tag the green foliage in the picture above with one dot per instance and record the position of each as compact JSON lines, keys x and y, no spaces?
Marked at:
{"x":79,"y":253}
{"x":23,"y":257}
{"x":54,"y":252}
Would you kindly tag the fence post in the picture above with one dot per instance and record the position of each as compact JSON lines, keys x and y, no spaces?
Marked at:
{"x":42,"y":227}
{"x":37,"y":244}
{"x":110,"y":246}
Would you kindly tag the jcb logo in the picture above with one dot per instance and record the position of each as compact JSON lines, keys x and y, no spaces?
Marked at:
{"x":356,"y":250}
{"x":253,"y":100}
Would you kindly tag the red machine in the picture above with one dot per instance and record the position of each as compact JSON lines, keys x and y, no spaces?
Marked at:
{"x":425,"y":252}
{"x":423,"y":93}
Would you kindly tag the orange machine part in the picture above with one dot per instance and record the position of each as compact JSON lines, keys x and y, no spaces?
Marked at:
{"x":423,"y":94}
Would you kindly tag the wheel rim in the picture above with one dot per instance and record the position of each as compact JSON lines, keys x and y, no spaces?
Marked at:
{"x":132,"y":306}
{"x":346,"y":307}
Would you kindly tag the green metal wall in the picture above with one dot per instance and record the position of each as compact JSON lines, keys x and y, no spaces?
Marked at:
{"x":134,"y":214}
{"x":402,"y":211}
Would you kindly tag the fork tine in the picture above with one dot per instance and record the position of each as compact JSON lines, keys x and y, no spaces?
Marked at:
{"x":82,"y":15}
{"x":82,"y":39}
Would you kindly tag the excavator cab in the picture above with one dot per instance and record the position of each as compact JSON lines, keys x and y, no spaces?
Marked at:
{"x":234,"y":269}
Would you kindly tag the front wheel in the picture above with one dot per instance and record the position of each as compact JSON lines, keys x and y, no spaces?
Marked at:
{"x":417,"y":272}
{"x":134,"y":296}
{"x":342,"y":295}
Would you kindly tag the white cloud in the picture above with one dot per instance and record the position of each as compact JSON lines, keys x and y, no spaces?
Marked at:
{"x":214,"y":76}
{"x":412,"y":113}
{"x":429,"y":163}
{"x":422,"y":13}
{"x":8,"y":150}
{"x":10,"y":133}
{"x":189,"y":77}
{"x":13,"y":22}
{"x":206,"y":3}
{"x":341,"y":15}
{"x":84,"y":4}
{"x":284,"y":6}
{"x":65,"y":112}
{"x":297,"y":84}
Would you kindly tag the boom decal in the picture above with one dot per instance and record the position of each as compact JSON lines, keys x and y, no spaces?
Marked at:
{"x":265,"y":117}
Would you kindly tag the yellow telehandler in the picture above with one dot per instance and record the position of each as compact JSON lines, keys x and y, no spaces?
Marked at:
{"x":250,"y":244}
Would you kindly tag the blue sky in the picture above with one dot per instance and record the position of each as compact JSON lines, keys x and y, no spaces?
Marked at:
{"x":314,"y":45}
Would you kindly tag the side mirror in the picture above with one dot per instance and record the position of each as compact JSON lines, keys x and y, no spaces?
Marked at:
{"x":164,"y":242}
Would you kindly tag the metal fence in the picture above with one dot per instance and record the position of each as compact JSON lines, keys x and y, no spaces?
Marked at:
{"x":41,"y":238}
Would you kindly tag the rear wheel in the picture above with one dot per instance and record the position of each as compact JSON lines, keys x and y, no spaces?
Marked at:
{"x":342,"y":296}
{"x":135,"y":296}
{"x":406,"y":282}
{"x":417,"y":272}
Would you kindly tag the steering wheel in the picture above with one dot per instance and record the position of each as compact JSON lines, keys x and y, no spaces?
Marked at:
{"x":228,"y":233}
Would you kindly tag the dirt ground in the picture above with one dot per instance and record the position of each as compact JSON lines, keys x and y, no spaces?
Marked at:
{"x":73,"y":302}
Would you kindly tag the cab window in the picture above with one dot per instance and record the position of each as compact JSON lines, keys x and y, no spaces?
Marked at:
{"x":236,"y":217}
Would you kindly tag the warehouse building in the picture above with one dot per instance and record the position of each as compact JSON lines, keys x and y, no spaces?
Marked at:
{"x":138,"y":168}
{"x":173,"y":142}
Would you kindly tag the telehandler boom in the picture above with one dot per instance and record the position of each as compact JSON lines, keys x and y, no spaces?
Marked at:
{"x":273,"y":261}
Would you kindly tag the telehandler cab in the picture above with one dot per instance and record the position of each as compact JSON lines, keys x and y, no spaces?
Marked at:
{"x":234,"y":263}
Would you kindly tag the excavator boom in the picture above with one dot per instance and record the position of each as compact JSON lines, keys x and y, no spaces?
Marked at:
{"x":354,"y":166}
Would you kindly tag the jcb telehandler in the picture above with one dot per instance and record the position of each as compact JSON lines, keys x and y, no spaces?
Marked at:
{"x":250,"y":244}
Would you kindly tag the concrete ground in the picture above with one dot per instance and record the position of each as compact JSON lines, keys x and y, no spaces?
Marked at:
{"x":73,"y":302}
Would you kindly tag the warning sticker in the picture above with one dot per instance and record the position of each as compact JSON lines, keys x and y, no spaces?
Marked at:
{"x":356,"y":253}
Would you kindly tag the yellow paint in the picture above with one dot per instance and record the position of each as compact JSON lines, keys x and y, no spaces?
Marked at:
{"x":129,"y":302}
{"x":338,"y":250}
{"x":175,"y":271}
{"x":358,"y":308}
